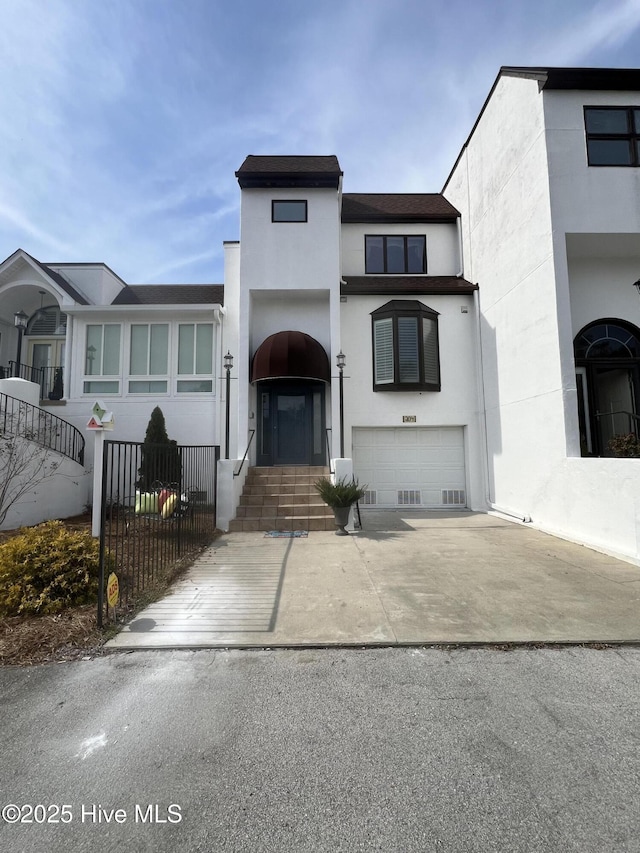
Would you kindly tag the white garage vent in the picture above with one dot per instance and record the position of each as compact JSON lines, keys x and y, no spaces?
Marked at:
{"x":409,"y":497}
{"x":453,"y":497}
{"x":370,"y":497}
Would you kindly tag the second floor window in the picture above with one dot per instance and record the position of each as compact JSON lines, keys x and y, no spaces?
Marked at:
{"x":613,"y":136}
{"x":395,"y":255}
{"x":288,"y":211}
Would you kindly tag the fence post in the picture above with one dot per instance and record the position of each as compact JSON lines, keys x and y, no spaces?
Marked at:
{"x":98,"y":454}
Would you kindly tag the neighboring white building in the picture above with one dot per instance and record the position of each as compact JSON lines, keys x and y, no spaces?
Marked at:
{"x":491,"y":332}
{"x":548,"y":187}
{"x":90,"y":336}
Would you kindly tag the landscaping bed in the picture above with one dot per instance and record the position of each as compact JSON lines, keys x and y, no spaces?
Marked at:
{"x":73,"y":633}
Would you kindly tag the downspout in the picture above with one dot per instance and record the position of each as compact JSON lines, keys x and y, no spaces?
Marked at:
{"x":460,"y":261}
{"x":219,"y":315}
{"x":66,"y":387}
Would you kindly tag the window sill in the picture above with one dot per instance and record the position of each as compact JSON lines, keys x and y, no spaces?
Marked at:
{"x":406,"y":386}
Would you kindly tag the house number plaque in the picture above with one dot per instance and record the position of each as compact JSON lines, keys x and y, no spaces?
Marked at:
{"x":408,"y":419}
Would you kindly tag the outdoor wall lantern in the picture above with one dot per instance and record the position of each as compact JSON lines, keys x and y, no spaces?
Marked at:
{"x":20,"y":320}
{"x":341,"y":361}
{"x":228,"y":364}
{"x":636,"y":284}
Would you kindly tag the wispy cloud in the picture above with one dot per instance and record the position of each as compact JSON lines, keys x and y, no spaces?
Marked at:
{"x":607,"y":25}
{"x":124,"y":123}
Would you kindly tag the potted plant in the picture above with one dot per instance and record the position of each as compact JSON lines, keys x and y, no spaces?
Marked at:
{"x":56,"y":391}
{"x":625,"y":445}
{"x":340,"y":495}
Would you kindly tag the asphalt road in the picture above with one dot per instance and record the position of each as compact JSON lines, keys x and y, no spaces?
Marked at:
{"x":329,"y":750}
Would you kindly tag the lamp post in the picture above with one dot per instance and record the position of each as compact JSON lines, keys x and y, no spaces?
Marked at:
{"x":341,"y":361}
{"x":228,"y":364}
{"x":20,"y":320}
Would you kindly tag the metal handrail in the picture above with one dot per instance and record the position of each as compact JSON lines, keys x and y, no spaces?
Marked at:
{"x":244,"y":458}
{"x":33,"y":423}
{"x":326,"y":436}
{"x":621,"y":412}
{"x":46,"y":377}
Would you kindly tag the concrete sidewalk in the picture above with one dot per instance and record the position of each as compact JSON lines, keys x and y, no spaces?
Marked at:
{"x":407,"y":577}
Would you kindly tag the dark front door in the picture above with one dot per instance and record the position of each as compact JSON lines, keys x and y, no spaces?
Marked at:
{"x":291,"y":423}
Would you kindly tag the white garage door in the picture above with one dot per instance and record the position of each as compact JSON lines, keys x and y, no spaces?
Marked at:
{"x":412,"y":466}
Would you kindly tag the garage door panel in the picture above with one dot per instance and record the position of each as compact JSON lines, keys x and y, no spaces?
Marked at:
{"x":411,"y":466}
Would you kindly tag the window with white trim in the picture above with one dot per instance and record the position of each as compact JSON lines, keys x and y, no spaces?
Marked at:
{"x":149,"y":358}
{"x":102,"y":359}
{"x":405,"y":347}
{"x":195,"y":358}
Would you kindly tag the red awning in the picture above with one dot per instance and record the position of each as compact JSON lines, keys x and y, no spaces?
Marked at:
{"x":290,"y":355}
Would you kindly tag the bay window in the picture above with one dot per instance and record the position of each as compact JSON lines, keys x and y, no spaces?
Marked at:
{"x":405,"y":347}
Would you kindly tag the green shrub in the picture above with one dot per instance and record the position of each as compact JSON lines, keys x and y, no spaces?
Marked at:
{"x":47,"y":568}
{"x":342,"y":493}
{"x":160,"y":457}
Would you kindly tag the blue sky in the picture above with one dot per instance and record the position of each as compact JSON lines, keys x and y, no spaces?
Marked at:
{"x":125,"y":120}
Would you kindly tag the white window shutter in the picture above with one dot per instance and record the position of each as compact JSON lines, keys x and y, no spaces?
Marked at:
{"x":408,"y":357}
{"x":383,"y":347}
{"x":430,"y":346}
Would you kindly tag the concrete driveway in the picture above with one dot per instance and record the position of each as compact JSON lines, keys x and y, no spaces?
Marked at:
{"x":406,"y":578}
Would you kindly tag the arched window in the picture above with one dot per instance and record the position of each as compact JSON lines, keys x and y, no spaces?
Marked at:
{"x":607,"y":339}
{"x":607,"y":354}
{"x":49,"y":322}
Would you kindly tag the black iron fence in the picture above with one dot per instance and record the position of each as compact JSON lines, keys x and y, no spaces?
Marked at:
{"x":50,"y":379}
{"x":35,"y":424}
{"x":158,"y":509}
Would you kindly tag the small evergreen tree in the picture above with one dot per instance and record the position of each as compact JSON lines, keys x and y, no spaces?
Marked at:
{"x":160,"y":462}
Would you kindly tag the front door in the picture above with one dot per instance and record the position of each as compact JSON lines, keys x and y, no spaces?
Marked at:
{"x":45,"y":357}
{"x":290,"y":424}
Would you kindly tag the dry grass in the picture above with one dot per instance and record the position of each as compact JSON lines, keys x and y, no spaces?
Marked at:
{"x":70,"y":635}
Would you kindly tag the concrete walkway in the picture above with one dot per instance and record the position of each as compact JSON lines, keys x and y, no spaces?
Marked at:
{"x":407,"y":577}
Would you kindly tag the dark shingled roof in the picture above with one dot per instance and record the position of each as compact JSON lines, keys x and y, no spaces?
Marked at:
{"x":595,"y":79}
{"x":170,"y":294}
{"x":289,"y":171}
{"x":378,"y":285}
{"x":397,"y":207}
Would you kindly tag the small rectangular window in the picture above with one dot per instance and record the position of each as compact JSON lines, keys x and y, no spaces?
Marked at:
{"x":288,"y":211}
{"x":613,"y":136}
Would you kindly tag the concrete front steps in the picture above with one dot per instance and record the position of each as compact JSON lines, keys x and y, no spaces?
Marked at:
{"x":283,"y":498}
